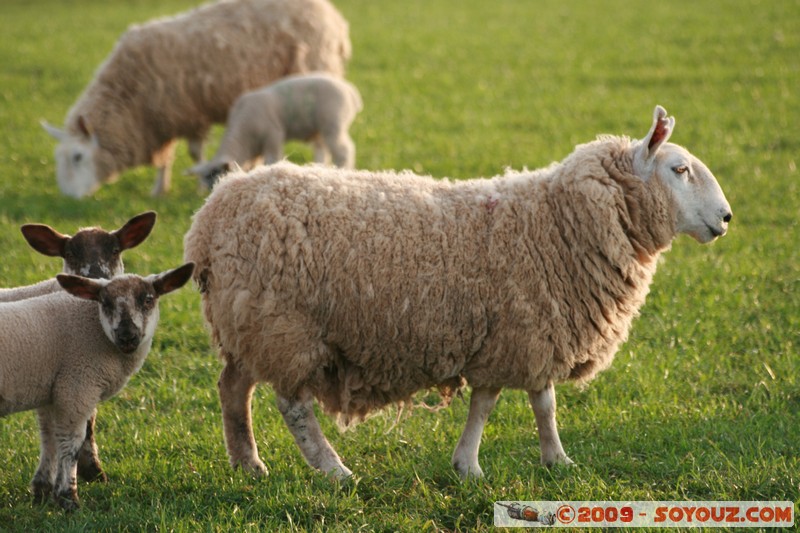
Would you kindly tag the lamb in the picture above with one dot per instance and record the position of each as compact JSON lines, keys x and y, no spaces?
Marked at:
{"x":361,"y":288}
{"x":92,"y":252}
{"x":313,"y":107}
{"x":95,"y":253}
{"x":62,"y":355}
{"x":174,"y":77}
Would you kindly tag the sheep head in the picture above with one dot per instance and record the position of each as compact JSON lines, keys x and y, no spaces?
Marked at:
{"x":128,"y":304}
{"x":91,"y":252}
{"x":76,"y":154}
{"x":701,"y":207}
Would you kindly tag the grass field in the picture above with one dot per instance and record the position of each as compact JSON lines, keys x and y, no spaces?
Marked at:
{"x":702,"y":402}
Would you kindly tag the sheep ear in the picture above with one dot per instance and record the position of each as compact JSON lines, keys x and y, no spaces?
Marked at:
{"x":79,"y":286}
{"x":84,"y":128}
{"x":173,"y":279}
{"x":136,"y":230}
{"x":45,"y":239}
{"x":56,"y":133}
{"x":659,"y":132}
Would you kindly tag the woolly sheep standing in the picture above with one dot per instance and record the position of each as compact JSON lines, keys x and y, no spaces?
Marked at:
{"x":95,"y":253}
{"x":314,"y":107}
{"x":175,"y":77}
{"x":359,"y":289}
{"x":62,"y":355}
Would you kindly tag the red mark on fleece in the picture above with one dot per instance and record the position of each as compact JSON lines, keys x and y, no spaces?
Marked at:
{"x":490,"y":203}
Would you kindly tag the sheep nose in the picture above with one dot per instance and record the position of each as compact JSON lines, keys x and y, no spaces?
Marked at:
{"x":727,"y":218}
{"x":127,"y":339}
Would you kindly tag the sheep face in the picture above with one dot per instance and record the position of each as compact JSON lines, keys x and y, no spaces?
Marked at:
{"x":76,"y":171}
{"x":702,"y":211}
{"x":92,"y":252}
{"x":128,"y":304}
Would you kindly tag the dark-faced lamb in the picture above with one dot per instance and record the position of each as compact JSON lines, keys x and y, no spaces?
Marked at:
{"x":316,"y":108}
{"x":174,"y":77}
{"x":361,"y":288}
{"x":61,"y":355}
{"x":91,"y":252}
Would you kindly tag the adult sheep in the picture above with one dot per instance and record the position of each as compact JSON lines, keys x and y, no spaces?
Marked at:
{"x":359,"y":289}
{"x":174,"y":77}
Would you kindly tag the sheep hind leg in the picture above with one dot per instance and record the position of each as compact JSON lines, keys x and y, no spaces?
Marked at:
{"x":298,"y":413}
{"x":544,"y":408}
{"x":235,"y":395}
{"x":89,"y":468}
{"x":465,"y":456}
{"x":342,"y":149}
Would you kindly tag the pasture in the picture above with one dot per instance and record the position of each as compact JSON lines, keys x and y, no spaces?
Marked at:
{"x":701,"y":403}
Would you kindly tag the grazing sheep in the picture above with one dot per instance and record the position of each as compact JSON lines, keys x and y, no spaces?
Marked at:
{"x":314,"y":107}
{"x":175,"y":77}
{"x":62,"y":355}
{"x":91,"y":252}
{"x":361,"y":288}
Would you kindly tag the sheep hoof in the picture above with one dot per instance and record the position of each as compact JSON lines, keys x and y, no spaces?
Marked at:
{"x":468,"y":471}
{"x":256,"y":468}
{"x":339,"y":472}
{"x":90,"y":471}
{"x":41,"y":491}
{"x":561,"y":460}
{"x":68,"y":500}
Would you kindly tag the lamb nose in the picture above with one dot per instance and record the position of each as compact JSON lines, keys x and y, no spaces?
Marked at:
{"x":728,"y":217}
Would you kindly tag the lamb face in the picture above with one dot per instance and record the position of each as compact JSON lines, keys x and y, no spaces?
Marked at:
{"x":128,"y":304}
{"x":91,"y":252}
{"x":701,"y":207}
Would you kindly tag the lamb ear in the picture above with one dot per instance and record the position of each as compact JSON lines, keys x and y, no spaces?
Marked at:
{"x":659,"y":132}
{"x":56,"y":133}
{"x":136,"y":230}
{"x":45,"y":239}
{"x":173,"y":279}
{"x":79,"y":286}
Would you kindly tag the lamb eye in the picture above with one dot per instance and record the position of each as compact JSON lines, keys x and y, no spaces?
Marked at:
{"x":680,"y":169}
{"x":76,"y":158}
{"x":147,"y":301}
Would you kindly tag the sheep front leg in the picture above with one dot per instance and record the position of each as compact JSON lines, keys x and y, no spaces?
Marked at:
{"x":43,"y":480}
{"x":163,"y":160}
{"x":298,"y":413}
{"x":465,"y":456}
{"x":544,"y":408}
{"x":89,"y":468}
{"x":69,"y":438}
{"x":235,"y":395}
{"x":196,"y":149}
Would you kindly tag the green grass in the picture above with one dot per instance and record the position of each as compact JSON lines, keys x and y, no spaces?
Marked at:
{"x":702,"y":402}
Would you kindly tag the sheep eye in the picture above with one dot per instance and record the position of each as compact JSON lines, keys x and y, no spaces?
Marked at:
{"x":76,"y":158}
{"x":680,"y":169}
{"x":147,"y":301}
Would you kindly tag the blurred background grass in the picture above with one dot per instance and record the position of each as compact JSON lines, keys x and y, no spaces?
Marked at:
{"x":701,"y":403}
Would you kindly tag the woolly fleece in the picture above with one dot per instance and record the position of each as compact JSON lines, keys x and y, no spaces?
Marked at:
{"x":367,"y":287}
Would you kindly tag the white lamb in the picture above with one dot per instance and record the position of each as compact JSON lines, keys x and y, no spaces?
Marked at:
{"x":174,"y":77}
{"x":361,"y":288}
{"x":91,"y":252}
{"x":62,"y":355}
{"x":317,"y":108}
